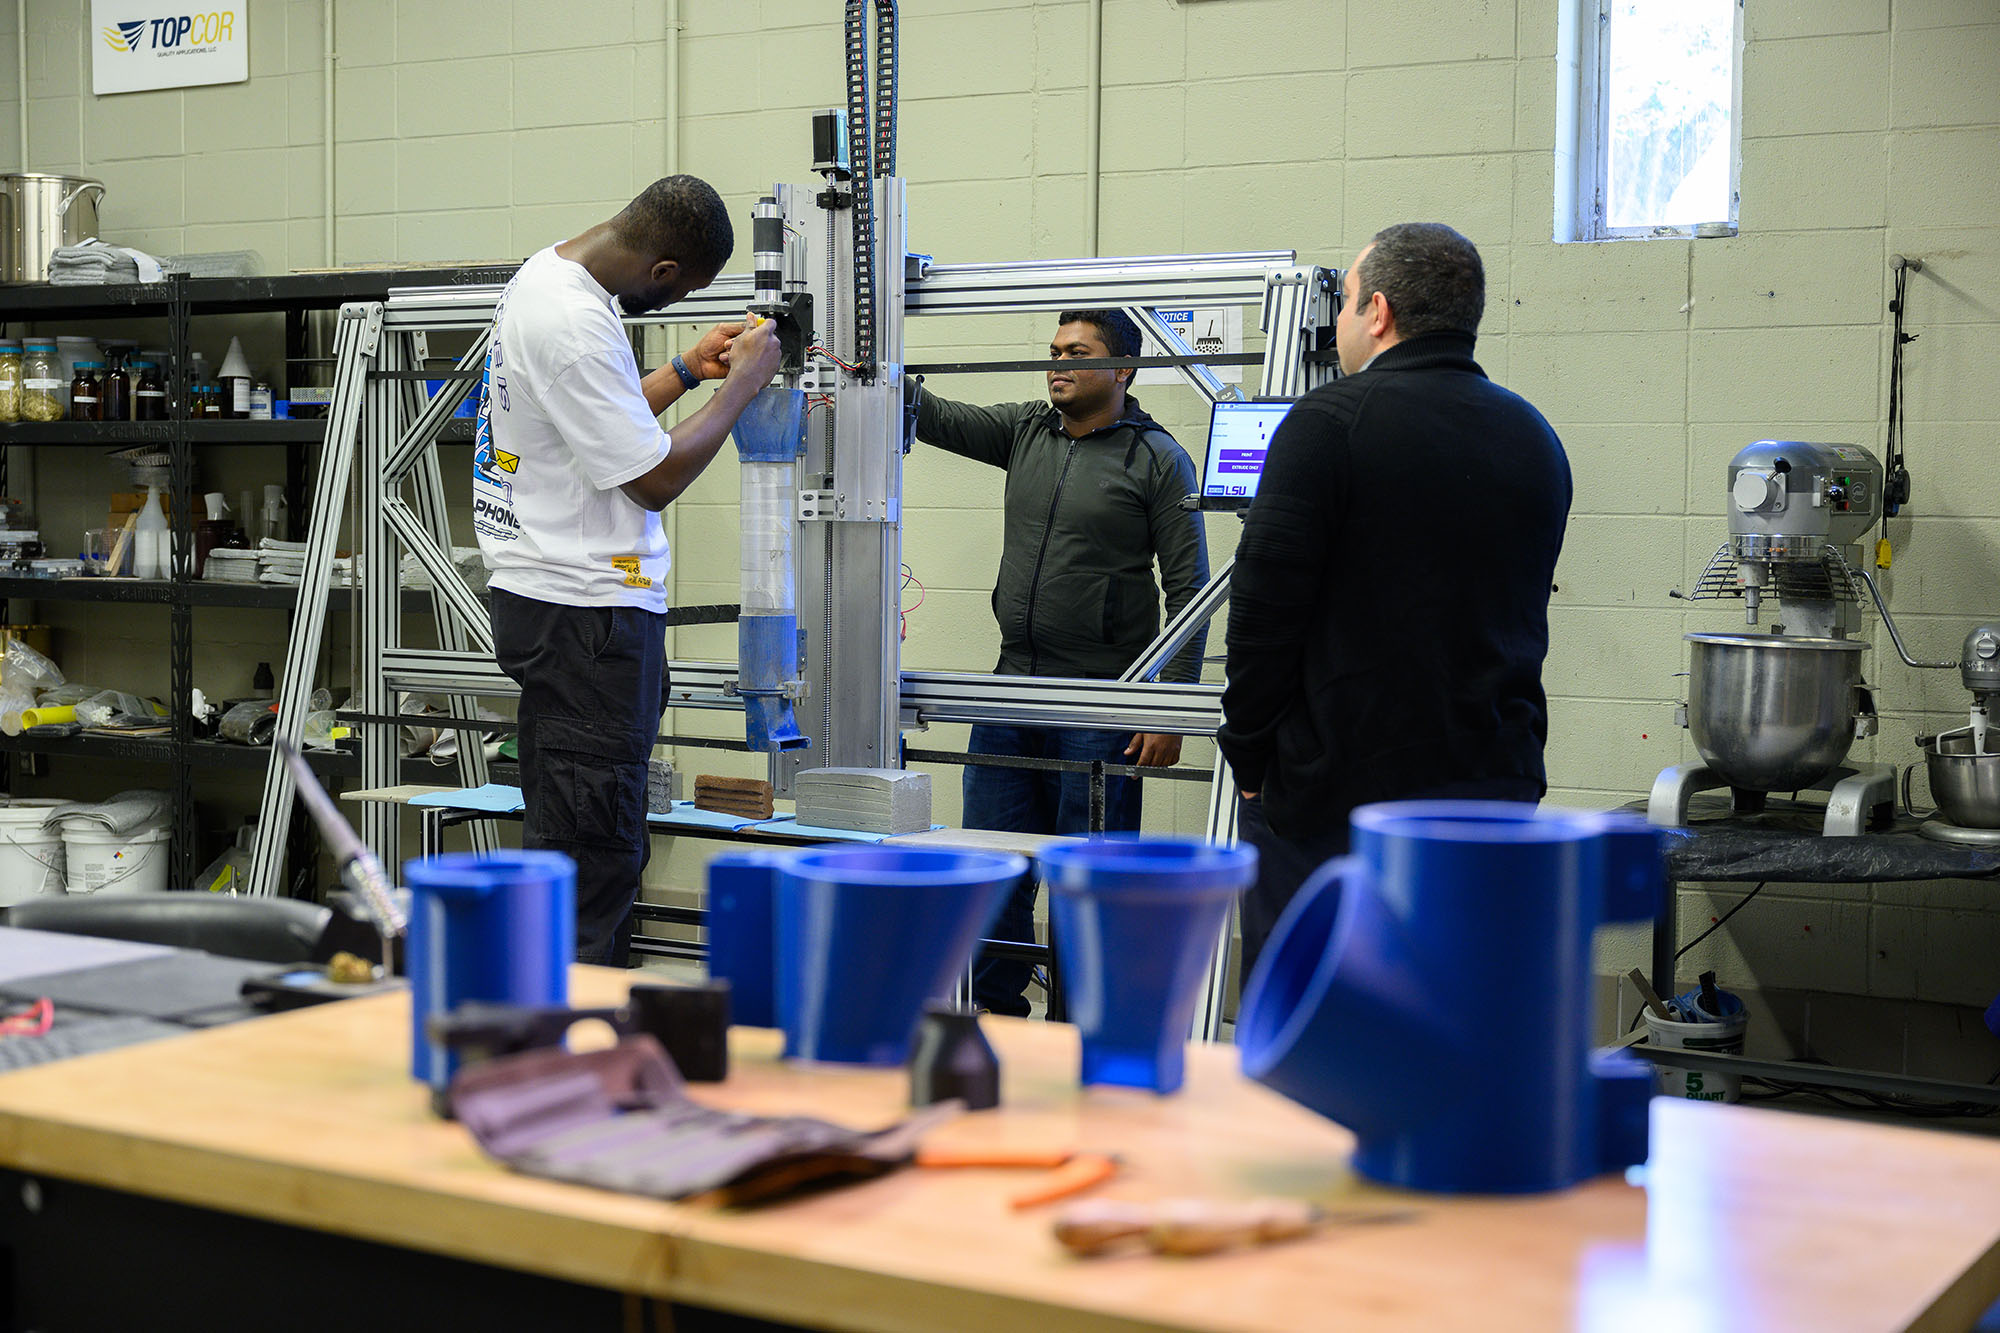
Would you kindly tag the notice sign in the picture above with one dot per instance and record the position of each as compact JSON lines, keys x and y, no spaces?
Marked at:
{"x":138,"y":45}
{"x":1213,"y":330}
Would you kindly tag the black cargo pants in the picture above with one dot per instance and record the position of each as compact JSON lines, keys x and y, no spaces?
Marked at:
{"x":593,"y":685}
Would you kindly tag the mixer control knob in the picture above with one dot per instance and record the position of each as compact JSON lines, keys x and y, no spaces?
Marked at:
{"x":1986,"y":646}
{"x":1752,"y":491}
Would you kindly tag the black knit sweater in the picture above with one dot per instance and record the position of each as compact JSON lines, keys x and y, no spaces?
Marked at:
{"x":1388,"y":612}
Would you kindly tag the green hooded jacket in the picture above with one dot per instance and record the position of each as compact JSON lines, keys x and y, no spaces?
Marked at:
{"x":1085,"y":520}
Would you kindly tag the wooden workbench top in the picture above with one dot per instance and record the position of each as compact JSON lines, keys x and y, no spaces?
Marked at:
{"x":1758,"y":1219}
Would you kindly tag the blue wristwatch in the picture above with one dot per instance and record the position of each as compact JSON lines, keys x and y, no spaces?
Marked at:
{"x":689,"y":379}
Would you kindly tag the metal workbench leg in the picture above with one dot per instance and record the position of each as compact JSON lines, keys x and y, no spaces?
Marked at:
{"x":1666,"y":938}
{"x":432,"y":841}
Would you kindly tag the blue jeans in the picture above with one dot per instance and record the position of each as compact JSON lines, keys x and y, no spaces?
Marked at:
{"x":593,"y":685}
{"x":1024,"y":800}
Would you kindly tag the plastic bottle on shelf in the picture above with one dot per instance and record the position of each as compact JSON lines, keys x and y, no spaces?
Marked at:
{"x":276,"y":523}
{"x":236,"y":382}
{"x":152,"y":542}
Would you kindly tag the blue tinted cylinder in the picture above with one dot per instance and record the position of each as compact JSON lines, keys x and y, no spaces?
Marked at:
{"x":499,"y":929}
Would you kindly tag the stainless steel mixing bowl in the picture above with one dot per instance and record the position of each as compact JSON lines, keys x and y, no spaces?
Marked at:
{"x":1773,"y":712}
{"x":1965,"y":785}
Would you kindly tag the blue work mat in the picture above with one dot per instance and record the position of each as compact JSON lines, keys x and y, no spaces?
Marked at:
{"x":494,"y":798}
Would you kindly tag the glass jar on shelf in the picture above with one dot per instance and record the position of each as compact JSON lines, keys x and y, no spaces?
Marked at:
{"x":10,"y":379}
{"x":114,"y":392}
{"x":44,"y":393}
{"x":85,"y":403}
{"x":149,"y":392}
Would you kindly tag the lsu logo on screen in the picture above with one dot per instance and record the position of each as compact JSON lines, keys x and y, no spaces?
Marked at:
{"x":167,"y":34}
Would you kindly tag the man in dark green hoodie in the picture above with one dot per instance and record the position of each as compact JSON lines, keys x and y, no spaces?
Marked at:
{"x":1093,"y":498}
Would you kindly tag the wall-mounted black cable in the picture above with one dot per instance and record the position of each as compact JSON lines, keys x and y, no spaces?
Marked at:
{"x":1896,"y":476}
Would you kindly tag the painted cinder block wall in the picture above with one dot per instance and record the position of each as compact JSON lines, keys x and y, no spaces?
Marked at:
{"x":471,"y":130}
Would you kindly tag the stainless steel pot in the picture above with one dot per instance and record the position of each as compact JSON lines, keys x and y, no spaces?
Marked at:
{"x":1773,"y":712}
{"x":39,"y":214}
{"x":1965,"y":785}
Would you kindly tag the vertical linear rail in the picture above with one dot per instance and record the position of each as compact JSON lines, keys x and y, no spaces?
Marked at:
{"x":184,"y":849}
{"x":1222,"y":832}
{"x":380,"y":595}
{"x":356,"y":341}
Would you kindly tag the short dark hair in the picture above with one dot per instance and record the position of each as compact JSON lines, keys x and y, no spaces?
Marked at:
{"x":1120,"y":334}
{"x":1431,"y":276}
{"x":680,"y":218}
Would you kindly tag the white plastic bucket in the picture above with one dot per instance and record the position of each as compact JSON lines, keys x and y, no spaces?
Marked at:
{"x":100,"y":861}
{"x":1698,"y":1085}
{"x":31,"y":857}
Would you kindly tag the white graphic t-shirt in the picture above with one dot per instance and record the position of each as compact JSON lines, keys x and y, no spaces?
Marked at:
{"x":562,"y":425}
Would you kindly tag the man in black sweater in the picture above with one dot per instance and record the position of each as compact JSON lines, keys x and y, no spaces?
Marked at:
{"x":1388,"y":613}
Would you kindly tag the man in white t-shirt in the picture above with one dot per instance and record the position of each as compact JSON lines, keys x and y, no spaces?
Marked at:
{"x":569,"y":474}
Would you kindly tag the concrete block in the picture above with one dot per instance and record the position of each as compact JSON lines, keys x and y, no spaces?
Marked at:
{"x":586,"y":87}
{"x":1947,"y":76}
{"x":712,"y":72}
{"x":1609,"y":286}
{"x":1945,"y":178}
{"x":1893,"y":950}
{"x":1781,"y":940}
{"x":1146,"y":126}
{"x":1473,"y":194}
{"x":1815,"y":182}
{"x":1956,"y":895}
{"x":987,"y":220}
{"x":245,"y":186}
{"x":305,"y":244}
{"x":1602,"y":377}
{"x":1255,"y":37}
{"x":536,"y":228}
{"x":968,"y":138}
{"x":364,"y":178}
{"x":304,"y":41}
{"x":1816,"y":85}
{"x":954,"y":632}
{"x":957,"y":548}
{"x":1284,"y":118}
{"x":1947,"y":565}
{"x":1815,"y":374}
{"x":1624,"y":560}
{"x":1143,"y":41}
{"x":460,"y":172}
{"x":55,"y":39}
{"x":269,"y":43}
{"x":1799,"y":278}
{"x":1432,"y":32}
{"x":454,"y":29}
{"x":305,"y":110}
{"x":305,"y":182}
{"x":591,"y":24}
{"x":1263,"y":208}
{"x":256,"y":114}
{"x":1615,"y":469}
{"x":1943,"y":373}
{"x":369,"y":241}
{"x":1813,"y":18}
{"x":799,"y":67}
{"x":1914,"y":14}
{"x":551,"y":166}
{"x":1141,"y":213}
{"x":1612,"y":653}
{"x":965,"y":54}
{"x":441,"y":97}
{"x":470,"y":236}
{"x":1595,"y":746}
{"x":364,"y":103}
{"x":1954,"y":955}
{"x":1469,"y":108}
{"x":364,"y":32}
{"x":141,"y":195}
{"x":1061,"y":47}
{"x":137,"y":126}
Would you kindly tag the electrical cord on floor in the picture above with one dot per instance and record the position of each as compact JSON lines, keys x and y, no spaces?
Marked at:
{"x":1722,"y":920}
{"x":1855,"y":1099}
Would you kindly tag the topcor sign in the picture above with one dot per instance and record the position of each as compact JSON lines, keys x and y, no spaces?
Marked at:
{"x":144,"y":44}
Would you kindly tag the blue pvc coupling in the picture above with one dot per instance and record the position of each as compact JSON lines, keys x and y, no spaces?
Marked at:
{"x":767,"y":650}
{"x":499,"y":929}
{"x":773,"y":428}
{"x":1136,"y":922}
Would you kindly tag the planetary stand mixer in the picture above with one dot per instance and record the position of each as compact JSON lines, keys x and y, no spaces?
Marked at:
{"x":1778,"y":711}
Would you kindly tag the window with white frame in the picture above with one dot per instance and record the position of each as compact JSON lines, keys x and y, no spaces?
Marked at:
{"x":1648,"y":135}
